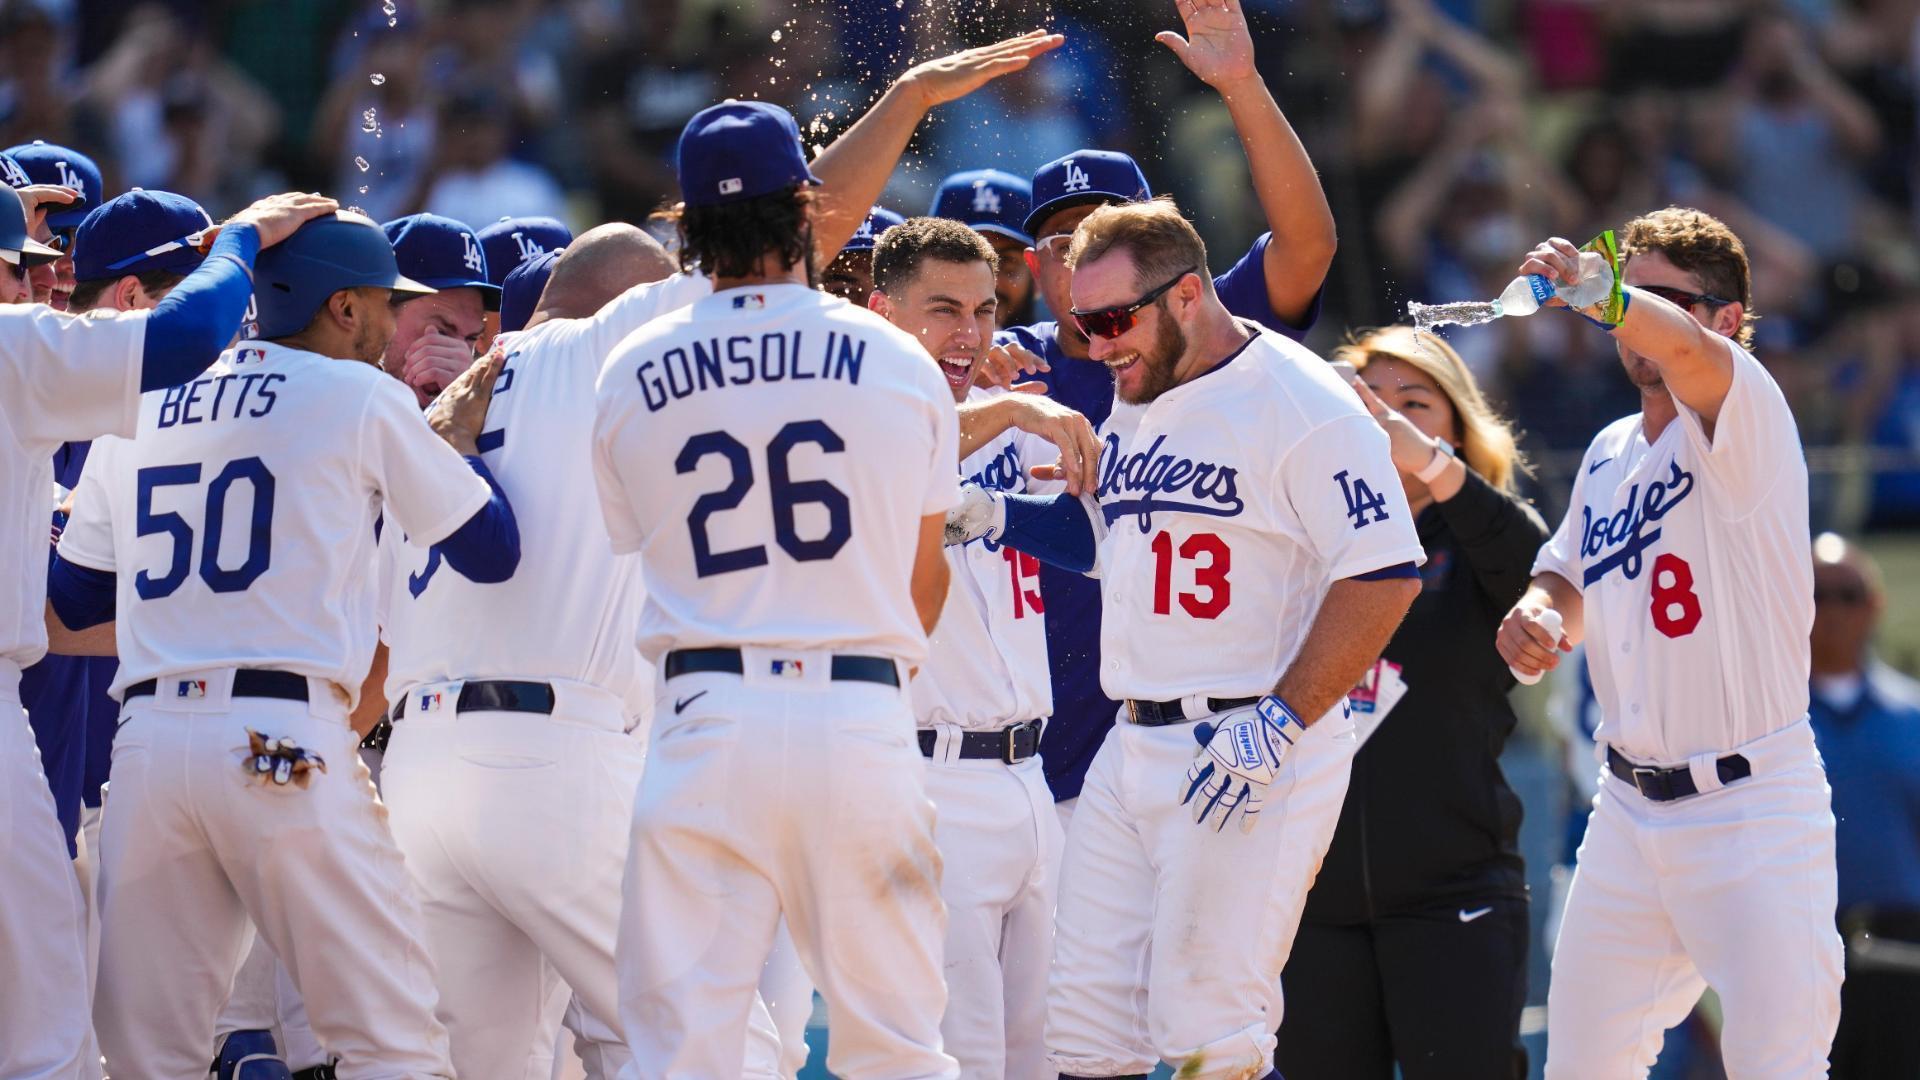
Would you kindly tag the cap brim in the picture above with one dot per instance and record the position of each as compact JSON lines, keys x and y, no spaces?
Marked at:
{"x":1067,"y":202}
{"x":998,"y":229}
{"x":30,"y":253}
{"x":67,"y":216}
{"x":489,"y":292}
{"x":404,"y":284}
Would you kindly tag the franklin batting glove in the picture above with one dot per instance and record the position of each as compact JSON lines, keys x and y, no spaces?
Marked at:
{"x":1240,"y":755}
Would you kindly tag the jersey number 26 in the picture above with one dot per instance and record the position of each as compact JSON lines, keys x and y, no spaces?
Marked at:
{"x":786,"y":493}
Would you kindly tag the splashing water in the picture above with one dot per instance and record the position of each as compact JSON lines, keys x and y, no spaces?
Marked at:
{"x":777,"y":35}
{"x":391,"y":12}
{"x":363,"y":189}
{"x":362,"y":164}
{"x":1462,"y":313}
{"x":369,"y":121}
{"x":377,"y":79}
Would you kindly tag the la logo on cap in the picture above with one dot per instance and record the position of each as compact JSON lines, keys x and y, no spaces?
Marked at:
{"x":1076,"y":178}
{"x":731,"y":186}
{"x":985,"y":199}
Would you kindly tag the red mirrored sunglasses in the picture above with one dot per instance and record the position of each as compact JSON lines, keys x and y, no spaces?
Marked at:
{"x":1111,"y":322}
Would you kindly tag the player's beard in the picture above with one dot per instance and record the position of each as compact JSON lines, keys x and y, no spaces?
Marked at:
{"x":1159,"y":362}
{"x":370,"y":346}
{"x":1642,"y":372}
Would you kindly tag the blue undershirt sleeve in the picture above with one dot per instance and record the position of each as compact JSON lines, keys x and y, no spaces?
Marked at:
{"x":188,"y":329}
{"x":486,"y":548}
{"x":1052,"y":528}
{"x":80,"y":595}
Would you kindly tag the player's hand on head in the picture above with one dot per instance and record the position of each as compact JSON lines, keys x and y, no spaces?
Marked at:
{"x":433,"y":362}
{"x":277,"y":216}
{"x":1218,"y":48}
{"x":1070,"y":433}
{"x":948,"y":78}
{"x":460,"y":411}
{"x":1526,"y":643}
{"x":1006,"y":363}
{"x":39,"y":198}
{"x":1411,"y":448}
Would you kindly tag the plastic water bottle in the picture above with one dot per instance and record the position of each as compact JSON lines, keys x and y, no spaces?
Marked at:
{"x":1551,"y":623}
{"x":1524,"y":294}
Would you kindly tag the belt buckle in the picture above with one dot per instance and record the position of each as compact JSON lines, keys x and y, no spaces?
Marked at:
{"x":1013,"y":743}
{"x":1638,"y":772}
{"x":1133,"y":712}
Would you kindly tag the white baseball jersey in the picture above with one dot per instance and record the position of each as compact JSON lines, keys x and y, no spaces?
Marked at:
{"x":63,"y":378}
{"x":240,"y":518}
{"x":1693,"y":558}
{"x":987,"y":658}
{"x":572,"y":606}
{"x":1232,"y":502}
{"x":742,"y":444}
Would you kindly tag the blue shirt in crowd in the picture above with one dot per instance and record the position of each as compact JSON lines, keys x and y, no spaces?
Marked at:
{"x":1869,"y":735}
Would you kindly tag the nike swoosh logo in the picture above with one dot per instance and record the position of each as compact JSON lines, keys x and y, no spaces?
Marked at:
{"x":681,"y":705}
{"x":1469,"y":916}
{"x":1595,"y":467}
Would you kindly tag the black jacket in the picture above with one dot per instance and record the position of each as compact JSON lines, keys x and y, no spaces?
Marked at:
{"x":1429,"y":818}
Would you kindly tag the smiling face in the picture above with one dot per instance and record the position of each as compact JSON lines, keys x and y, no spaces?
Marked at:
{"x":949,"y":307}
{"x":1047,"y":261}
{"x":1146,"y":358}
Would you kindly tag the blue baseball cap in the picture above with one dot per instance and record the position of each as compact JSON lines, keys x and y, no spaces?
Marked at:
{"x":342,"y":250}
{"x":441,"y":253}
{"x":11,"y":172}
{"x":16,"y":247}
{"x":47,"y":163}
{"x":740,"y":150}
{"x":137,"y":232}
{"x":986,"y":200}
{"x":521,"y":293}
{"x":1082,"y":177}
{"x":879,"y":220}
{"x":515,"y":240}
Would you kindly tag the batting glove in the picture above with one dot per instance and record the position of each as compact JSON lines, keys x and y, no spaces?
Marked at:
{"x":980,"y":513}
{"x":1240,"y":755}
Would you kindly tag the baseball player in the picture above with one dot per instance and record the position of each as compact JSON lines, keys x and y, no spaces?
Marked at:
{"x":44,"y":163}
{"x":791,"y":577}
{"x":521,"y":290}
{"x":1684,"y":563}
{"x":1257,"y":555}
{"x":509,"y":243}
{"x":65,"y":378}
{"x":983,"y":694}
{"x":995,"y":204}
{"x":850,"y":275}
{"x":234,"y":539}
{"x":514,"y":758}
{"x":1276,"y":283}
{"x":436,"y":336}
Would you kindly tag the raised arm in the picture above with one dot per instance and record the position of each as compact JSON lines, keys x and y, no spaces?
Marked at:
{"x":855,"y":168}
{"x":1218,"y":49}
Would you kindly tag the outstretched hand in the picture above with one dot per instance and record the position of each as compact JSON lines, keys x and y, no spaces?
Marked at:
{"x":1218,"y":47}
{"x":949,"y":78}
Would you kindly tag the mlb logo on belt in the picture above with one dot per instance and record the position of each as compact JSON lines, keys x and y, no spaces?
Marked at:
{"x":429,"y":702}
{"x":190,"y":688}
{"x":789,"y":669}
{"x":749,"y":302}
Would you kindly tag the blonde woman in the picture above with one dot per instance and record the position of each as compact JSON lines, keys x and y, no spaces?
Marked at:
{"x":1413,"y":947}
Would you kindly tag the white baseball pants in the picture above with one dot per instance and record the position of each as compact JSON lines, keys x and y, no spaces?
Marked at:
{"x":767,"y":795}
{"x":1000,"y":848}
{"x":43,"y":929}
{"x":1734,"y":888}
{"x":1171,"y":936}
{"x":788,"y":992}
{"x":514,"y":827}
{"x":193,"y":846}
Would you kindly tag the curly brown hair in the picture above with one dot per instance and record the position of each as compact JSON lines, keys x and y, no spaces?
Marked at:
{"x":1699,"y":244}
{"x":728,"y":241}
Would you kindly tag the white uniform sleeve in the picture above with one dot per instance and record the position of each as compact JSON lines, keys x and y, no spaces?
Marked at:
{"x":610,"y":416}
{"x":66,"y":378}
{"x":1346,"y":496}
{"x":1561,"y":553}
{"x":640,"y":305}
{"x":943,"y":478}
{"x":426,"y":490}
{"x":1754,"y":440}
{"x":87,"y":539}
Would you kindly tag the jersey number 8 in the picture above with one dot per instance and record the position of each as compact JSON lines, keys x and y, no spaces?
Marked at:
{"x":786,"y":493}
{"x":218,"y":578}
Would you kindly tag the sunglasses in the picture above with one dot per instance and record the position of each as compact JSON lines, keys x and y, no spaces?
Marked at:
{"x":1683,"y":298}
{"x":1111,"y":322}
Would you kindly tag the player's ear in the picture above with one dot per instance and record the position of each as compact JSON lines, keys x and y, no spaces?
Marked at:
{"x":1033,"y":262}
{"x":1727,"y":320}
{"x":127,"y":293}
{"x":878,"y":303}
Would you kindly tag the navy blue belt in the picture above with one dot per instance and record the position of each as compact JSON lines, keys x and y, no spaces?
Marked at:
{"x":247,"y":682}
{"x":1162,"y":713}
{"x":873,"y":669}
{"x":1012,"y":744}
{"x":1666,"y":785}
{"x":497,"y":695}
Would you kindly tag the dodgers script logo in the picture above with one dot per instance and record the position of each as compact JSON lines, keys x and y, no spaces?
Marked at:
{"x":1002,"y":473}
{"x":985,"y":199}
{"x":1628,"y":528}
{"x":1199,"y":487}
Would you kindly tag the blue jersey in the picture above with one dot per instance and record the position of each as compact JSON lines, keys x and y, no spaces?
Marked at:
{"x":1082,"y":714}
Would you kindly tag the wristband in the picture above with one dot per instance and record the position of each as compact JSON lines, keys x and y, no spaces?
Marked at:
{"x":1442,"y":453}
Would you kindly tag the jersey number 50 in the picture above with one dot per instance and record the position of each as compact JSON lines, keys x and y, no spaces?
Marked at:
{"x":218,"y":578}
{"x":786,"y":493}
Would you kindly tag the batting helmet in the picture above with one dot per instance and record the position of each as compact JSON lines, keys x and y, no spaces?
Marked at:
{"x":16,"y":246}
{"x":294,"y":278}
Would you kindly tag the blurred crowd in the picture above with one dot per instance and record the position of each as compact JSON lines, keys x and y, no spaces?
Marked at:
{"x":1449,"y":134}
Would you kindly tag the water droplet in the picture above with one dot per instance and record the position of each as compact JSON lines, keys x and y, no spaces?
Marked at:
{"x":361,"y":164}
{"x":369,"y":122}
{"x":377,"y":79}
{"x":777,"y":35}
{"x":363,"y":189}
{"x":1463,"y":313}
{"x":388,"y":9}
